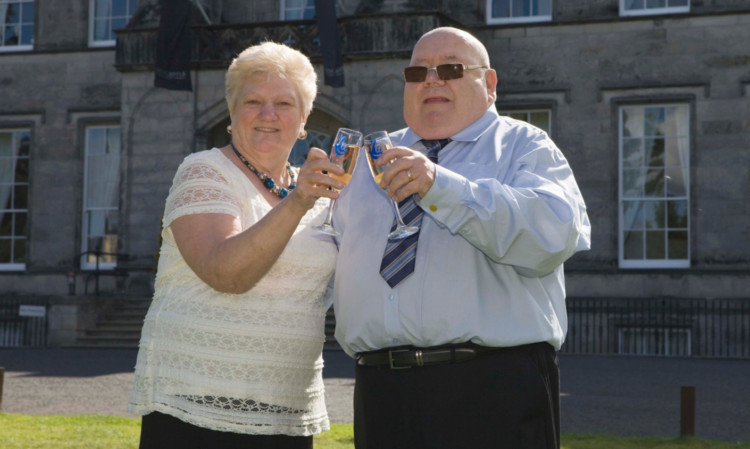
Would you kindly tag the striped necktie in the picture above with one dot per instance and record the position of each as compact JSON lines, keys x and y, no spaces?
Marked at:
{"x":400,"y":255}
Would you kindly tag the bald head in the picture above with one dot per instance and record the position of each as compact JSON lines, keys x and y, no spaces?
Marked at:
{"x":438,"y":108}
{"x":473,"y":44}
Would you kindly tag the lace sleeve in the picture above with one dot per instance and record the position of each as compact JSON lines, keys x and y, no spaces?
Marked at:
{"x":200,"y":188}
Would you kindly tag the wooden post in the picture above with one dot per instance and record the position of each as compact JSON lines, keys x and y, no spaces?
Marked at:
{"x":2,"y":379}
{"x":687,"y":411}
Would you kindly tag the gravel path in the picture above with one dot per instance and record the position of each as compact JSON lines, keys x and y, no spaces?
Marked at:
{"x":629,"y":396}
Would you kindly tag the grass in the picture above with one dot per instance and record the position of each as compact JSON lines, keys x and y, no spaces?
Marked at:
{"x":110,"y":432}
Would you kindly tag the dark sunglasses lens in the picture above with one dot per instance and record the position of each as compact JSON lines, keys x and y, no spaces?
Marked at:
{"x":415,"y":74}
{"x":450,"y":71}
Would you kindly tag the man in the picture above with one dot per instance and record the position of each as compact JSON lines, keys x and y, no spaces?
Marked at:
{"x":455,"y":339}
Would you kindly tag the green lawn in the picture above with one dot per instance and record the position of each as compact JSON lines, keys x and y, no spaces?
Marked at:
{"x":109,"y":432}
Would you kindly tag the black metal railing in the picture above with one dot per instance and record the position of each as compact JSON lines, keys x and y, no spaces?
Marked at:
{"x":214,"y":46}
{"x":717,"y":328}
{"x":23,"y":322}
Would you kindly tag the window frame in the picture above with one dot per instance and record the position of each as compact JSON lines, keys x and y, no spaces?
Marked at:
{"x":644,"y":262}
{"x":98,"y":43}
{"x":645,"y":11}
{"x":516,"y":20}
{"x":85,"y":264}
{"x":19,"y":47}
{"x":19,"y":266}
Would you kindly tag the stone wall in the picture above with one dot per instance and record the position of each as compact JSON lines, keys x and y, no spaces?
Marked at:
{"x":583,"y":66}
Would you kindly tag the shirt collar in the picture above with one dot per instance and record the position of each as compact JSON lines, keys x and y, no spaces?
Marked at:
{"x":471,"y":133}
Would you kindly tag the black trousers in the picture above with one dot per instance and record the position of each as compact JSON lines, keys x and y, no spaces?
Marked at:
{"x":507,"y":399}
{"x":162,"y":431}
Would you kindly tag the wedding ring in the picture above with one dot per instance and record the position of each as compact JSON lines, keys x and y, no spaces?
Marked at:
{"x":409,"y":175}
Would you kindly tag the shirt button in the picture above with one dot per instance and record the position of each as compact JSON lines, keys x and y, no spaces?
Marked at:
{"x":391,"y":297}
{"x":433,"y":208}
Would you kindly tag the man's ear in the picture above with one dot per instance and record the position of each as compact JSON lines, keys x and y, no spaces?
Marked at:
{"x":490,"y":81}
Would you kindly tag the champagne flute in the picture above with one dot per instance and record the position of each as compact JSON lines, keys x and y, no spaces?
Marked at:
{"x":376,"y":143}
{"x":344,"y":152}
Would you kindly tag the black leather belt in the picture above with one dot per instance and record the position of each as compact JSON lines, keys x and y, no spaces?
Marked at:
{"x":410,"y":357}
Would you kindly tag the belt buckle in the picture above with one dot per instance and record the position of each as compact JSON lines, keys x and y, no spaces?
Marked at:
{"x":418,"y":354}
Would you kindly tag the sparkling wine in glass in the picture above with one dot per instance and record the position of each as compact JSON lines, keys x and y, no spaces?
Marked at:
{"x":344,"y":153}
{"x":376,"y":143}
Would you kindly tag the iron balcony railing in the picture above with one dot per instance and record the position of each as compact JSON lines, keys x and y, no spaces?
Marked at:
{"x":214,"y":46}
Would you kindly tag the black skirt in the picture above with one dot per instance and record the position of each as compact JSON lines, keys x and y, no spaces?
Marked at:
{"x":162,"y":431}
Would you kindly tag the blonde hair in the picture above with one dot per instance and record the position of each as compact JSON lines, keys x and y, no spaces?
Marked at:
{"x":272,"y":59}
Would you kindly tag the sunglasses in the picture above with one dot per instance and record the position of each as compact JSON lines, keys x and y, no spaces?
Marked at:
{"x":417,"y":74}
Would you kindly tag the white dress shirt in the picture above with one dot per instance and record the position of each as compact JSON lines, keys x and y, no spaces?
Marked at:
{"x":502,"y":216}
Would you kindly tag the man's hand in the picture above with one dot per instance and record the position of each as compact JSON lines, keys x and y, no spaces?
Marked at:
{"x":408,"y":172}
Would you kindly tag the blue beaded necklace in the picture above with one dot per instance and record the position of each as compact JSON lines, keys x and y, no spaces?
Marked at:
{"x":268,"y":182}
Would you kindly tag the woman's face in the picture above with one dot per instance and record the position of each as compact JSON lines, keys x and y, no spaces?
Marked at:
{"x":268,"y":116}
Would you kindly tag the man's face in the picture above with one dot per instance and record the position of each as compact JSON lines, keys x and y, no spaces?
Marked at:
{"x":437,"y":109}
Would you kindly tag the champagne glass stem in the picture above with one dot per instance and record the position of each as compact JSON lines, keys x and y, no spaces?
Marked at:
{"x":398,"y":214}
{"x":327,"y":226}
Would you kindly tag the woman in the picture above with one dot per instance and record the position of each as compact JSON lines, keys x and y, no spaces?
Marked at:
{"x":230,"y":354}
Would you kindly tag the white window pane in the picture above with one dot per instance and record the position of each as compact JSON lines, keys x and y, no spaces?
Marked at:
{"x":632,"y":153}
{"x":501,"y":8}
{"x":654,"y":214}
{"x":27,"y":12}
{"x":677,"y":214}
{"x":520,"y":8}
{"x":675,"y":152}
{"x":632,"y":183}
{"x":633,"y":122}
{"x":27,"y":34}
{"x":656,"y":245}
{"x":97,"y":141}
{"x":119,"y":8}
{"x":676,"y":182}
{"x":663,"y":132}
{"x":654,"y":121}
{"x":101,"y":29}
{"x":633,"y":245}
{"x":6,"y":144}
{"x":544,"y":7}
{"x":113,"y":141}
{"x":103,"y":8}
{"x":633,"y":214}
{"x":655,"y":184}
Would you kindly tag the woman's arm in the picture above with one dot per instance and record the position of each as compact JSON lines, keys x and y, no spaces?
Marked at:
{"x":233,"y":261}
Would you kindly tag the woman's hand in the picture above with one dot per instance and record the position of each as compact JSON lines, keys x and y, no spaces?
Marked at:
{"x":408,"y":172}
{"x":313,"y":181}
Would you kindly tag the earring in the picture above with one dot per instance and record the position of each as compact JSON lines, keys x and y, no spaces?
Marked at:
{"x":304,"y":135}
{"x":229,"y":129}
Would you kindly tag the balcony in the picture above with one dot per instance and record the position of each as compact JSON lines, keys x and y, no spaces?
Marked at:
{"x":214,"y":46}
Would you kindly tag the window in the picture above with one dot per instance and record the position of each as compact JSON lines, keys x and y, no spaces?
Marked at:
{"x":297,"y":9}
{"x":14,"y":198}
{"x":648,"y":7}
{"x":537,"y":117}
{"x":654,"y":186}
{"x":302,"y":147}
{"x":518,"y":11}
{"x":101,"y":197}
{"x":106,"y":16}
{"x":17,"y":21}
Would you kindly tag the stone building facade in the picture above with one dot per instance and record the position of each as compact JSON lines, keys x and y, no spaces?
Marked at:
{"x":650,"y":106}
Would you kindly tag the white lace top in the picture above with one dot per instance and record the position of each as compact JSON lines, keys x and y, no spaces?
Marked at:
{"x":245,"y":363}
